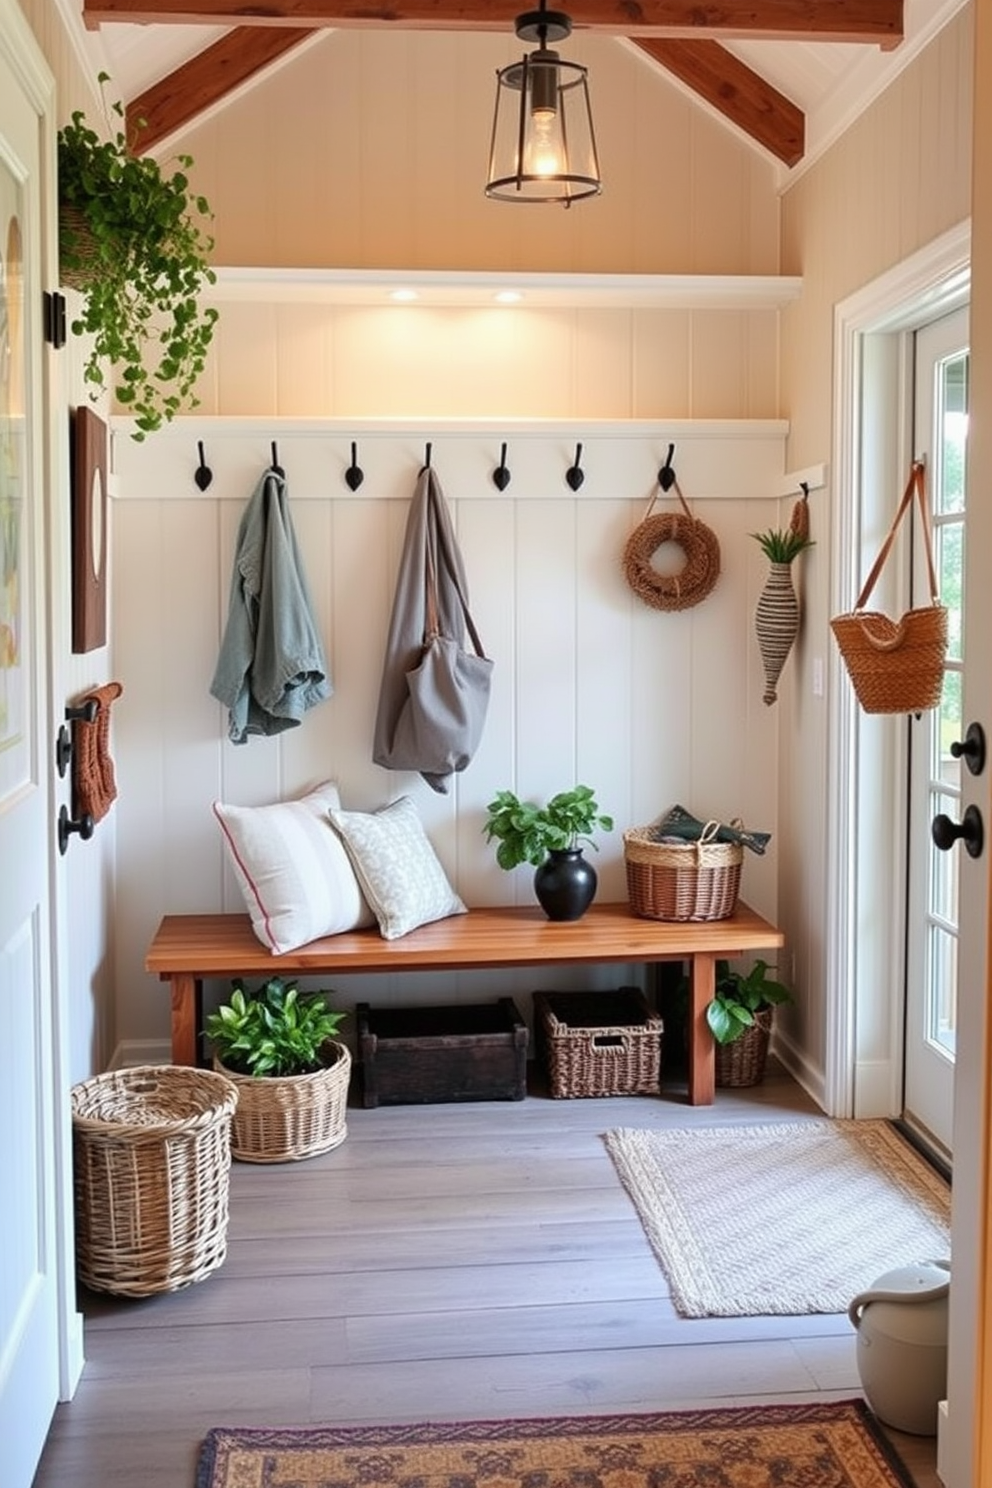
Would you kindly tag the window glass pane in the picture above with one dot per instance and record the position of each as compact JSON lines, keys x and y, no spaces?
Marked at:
{"x":949,"y":539}
{"x":944,"y":768}
{"x":942,"y":998}
{"x":943,"y":897}
{"x":953,"y":404}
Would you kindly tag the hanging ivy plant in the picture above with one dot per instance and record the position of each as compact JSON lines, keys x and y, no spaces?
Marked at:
{"x":133,"y":239}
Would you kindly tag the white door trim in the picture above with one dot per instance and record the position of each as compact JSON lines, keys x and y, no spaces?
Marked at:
{"x":866,"y":1081}
{"x":26,"y":60}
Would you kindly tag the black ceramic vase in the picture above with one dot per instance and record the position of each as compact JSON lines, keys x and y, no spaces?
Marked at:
{"x":565,"y":884}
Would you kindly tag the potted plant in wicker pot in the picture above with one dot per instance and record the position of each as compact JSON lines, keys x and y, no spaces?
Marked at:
{"x":550,"y":838}
{"x":277,"y":1046}
{"x":740,"y":1020}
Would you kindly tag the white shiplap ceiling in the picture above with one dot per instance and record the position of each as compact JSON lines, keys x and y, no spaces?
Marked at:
{"x":832,"y":82}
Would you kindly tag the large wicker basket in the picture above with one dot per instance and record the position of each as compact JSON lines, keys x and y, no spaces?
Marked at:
{"x":283,"y":1118}
{"x":742,"y":1062}
{"x":669,"y":880}
{"x":151,"y":1162}
{"x":598,"y":1043}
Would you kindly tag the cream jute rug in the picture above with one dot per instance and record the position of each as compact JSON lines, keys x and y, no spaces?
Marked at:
{"x":787,"y":1217}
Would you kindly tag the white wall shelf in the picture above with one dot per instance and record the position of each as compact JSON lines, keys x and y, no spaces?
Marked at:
{"x":441,"y":288}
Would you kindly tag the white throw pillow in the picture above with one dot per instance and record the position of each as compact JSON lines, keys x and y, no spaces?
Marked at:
{"x":296,"y":878}
{"x":397,"y":867}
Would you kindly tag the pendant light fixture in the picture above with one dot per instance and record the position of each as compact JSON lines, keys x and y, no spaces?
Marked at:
{"x":543,"y":146}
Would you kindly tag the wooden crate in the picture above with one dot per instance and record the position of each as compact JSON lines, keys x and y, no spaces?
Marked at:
{"x":427,"y":1055}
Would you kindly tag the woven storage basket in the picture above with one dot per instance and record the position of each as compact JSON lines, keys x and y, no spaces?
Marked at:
{"x":75,"y":231}
{"x":743,"y":1061}
{"x":151,"y":1165}
{"x":283,"y":1118}
{"x":595,"y":1043}
{"x":682,"y":880}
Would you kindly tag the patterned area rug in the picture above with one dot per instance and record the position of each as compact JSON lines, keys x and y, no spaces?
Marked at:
{"x":792,"y":1446}
{"x":788,"y":1217}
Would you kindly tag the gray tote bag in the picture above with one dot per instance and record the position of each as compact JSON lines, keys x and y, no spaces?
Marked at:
{"x":435,"y":693}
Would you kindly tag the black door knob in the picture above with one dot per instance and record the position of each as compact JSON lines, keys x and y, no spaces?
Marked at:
{"x":970,"y":829}
{"x":971,"y":748}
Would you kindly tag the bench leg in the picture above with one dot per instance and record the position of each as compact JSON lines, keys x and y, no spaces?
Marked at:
{"x":702,"y":1054}
{"x":186,"y":999}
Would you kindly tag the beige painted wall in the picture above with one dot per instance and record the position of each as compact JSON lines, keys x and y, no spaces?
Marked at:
{"x":370,"y":150}
{"x":897,"y":180}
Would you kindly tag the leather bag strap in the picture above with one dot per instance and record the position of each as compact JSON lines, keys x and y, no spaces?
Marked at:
{"x":916,"y":485}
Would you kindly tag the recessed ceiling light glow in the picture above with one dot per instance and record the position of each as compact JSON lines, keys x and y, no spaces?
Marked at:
{"x":404,"y":296}
{"x":508,"y":297}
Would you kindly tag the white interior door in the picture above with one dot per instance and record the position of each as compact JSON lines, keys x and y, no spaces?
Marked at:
{"x":932,"y":963}
{"x":29,"y":1300}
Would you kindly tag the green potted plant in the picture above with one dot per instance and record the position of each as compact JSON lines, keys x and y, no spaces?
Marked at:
{"x":278,"y":1046}
{"x":782,"y":545}
{"x":132,"y":240}
{"x":551,"y":838}
{"x":740,"y":1020}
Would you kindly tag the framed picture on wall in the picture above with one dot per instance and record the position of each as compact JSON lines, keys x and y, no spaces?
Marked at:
{"x":89,"y":530}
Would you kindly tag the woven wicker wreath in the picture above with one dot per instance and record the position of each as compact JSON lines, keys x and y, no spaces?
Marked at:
{"x":702,"y":561}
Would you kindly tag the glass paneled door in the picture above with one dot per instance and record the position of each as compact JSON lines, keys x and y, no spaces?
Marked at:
{"x":941,"y":426}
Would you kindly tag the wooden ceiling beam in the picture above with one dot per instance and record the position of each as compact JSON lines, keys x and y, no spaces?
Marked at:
{"x":736,"y":91}
{"x":205,"y":80}
{"x":867,"y":21}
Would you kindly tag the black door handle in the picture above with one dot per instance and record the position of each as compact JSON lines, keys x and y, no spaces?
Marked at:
{"x":970,"y":829}
{"x":971,"y":748}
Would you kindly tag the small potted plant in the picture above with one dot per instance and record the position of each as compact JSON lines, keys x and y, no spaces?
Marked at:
{"x":278,"y":1046}
{"x":776,"y":615}
{"x":550,"y":837}
{"x":132,"y":240}
{"x":740,"y":1020}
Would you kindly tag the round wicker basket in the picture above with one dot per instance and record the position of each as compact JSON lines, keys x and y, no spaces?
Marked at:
{"x":151,"y":1168}
{"x":681,"y":880}
{"x":283,"y":1118}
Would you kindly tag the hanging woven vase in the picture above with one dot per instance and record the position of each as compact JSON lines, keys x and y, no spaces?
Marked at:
{"x":776,"y":624}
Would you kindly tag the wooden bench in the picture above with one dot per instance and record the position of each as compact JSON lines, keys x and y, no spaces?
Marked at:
{"x":188,"y":948}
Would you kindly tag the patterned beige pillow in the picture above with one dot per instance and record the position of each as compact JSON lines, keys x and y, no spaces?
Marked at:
{"x":296,"y":878}
{"x":397,"y":867}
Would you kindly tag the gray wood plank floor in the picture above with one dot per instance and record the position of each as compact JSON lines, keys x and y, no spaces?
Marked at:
{"x":447,"y":1262}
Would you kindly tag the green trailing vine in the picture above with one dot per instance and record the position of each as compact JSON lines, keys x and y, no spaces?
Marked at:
{"x":132,"y":238}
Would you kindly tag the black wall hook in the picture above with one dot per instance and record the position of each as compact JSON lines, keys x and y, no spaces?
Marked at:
{"x":354,"y":475}
{"x":666,"y":475}
{"x":203,"y":475}
{"x":85,"y":711}
{"x":575,"y":475}
{"x":427,"y":457}
{"x":804,"y":487}
{"x":277,"y":468}
{"x":501,"y":476}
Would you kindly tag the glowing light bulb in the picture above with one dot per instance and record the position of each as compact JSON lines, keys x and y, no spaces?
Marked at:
{"x":544,"y":155}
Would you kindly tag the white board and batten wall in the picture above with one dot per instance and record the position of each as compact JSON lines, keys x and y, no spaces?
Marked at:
{"x":590,"y":684}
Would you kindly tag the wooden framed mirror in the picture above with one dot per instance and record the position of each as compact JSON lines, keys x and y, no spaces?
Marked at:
{"x":89,"y":531}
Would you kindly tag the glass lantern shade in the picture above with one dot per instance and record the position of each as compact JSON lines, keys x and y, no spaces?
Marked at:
{"x":543,"y":145}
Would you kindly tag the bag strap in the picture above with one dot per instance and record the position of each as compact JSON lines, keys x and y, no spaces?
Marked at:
{"x":915,"y":485}
{"x":682,"y":501}
{"x":432,"y":619}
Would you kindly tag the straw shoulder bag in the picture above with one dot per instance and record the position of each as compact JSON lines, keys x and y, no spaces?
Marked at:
{"x":897,"y":666}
